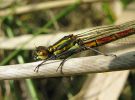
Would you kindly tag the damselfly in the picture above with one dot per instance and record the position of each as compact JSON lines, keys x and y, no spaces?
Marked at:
{"x":74,"y":43}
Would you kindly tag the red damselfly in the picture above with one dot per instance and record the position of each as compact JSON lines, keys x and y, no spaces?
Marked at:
{"x":74,"y":43}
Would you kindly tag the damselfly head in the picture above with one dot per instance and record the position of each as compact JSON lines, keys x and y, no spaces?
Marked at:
{"x":41,"y":53}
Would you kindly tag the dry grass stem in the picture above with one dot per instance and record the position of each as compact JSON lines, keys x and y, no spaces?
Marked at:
{"x":41,"y":6}
{"x":74,"y":66}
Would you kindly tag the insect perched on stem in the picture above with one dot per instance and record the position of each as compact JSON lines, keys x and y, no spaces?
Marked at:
{"x":74,"y":43}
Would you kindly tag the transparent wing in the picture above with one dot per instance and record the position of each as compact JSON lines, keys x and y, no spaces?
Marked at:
{"x":103,"y":31}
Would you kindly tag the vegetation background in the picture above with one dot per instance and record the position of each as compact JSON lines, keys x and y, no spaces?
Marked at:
{"x":69,"y":17}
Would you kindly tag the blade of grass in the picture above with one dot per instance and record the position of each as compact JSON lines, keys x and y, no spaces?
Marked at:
{"x":62,"y":14}
{"x":15,"y":94}
{"x":32,"y":89}
{"x":107,"y":9}
{"x":29,"y":83}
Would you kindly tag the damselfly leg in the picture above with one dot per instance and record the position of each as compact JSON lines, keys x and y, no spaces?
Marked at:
{"x":67,"y":54}
{"x":105,"y":54}
{"x":61,"y":66}
{"x":37,"y":67}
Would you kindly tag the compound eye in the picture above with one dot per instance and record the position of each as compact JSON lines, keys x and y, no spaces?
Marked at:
{"x":41,"y":53}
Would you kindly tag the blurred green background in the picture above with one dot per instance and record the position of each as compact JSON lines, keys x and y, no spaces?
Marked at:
{"x":66,"y":18}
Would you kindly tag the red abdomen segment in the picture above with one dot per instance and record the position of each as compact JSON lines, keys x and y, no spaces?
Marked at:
{"x":110,"y":38}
